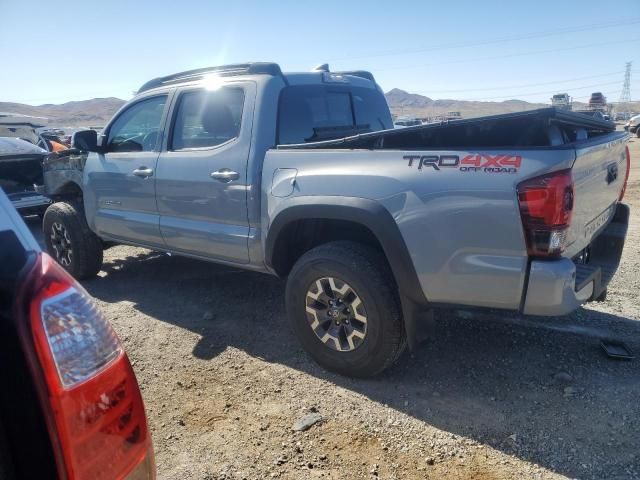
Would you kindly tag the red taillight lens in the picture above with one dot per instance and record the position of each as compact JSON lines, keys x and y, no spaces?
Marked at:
{"x":546,"y":204}
{"x":626,"y":175}
{"x":99,"y":417}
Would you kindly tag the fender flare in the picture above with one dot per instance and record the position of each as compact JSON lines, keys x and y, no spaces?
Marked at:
{"x":372,"y":215}
{"x":57,"y":185}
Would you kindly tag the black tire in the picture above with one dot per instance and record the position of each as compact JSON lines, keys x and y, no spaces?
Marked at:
{"x":367,"y":273}
{"x":638,"y":132}
{"x":85,"y":259}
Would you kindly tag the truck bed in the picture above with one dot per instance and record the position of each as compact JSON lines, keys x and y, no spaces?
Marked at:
{"x":534,"y":128}
{"x":452,"y":190}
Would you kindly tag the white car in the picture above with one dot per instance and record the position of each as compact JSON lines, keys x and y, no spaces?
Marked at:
{"x":632,"y":125}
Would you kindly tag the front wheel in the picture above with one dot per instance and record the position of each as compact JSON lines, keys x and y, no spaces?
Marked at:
{"x":70,"y":241}
{"x":342,"y":304}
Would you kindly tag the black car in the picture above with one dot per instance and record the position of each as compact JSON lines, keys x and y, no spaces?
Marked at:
{"x":21,"y":174}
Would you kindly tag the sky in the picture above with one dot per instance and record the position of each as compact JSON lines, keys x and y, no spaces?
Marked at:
{"x":54,"y":52}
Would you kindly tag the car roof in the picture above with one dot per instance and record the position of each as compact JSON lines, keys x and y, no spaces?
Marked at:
{"x":259,"y":70}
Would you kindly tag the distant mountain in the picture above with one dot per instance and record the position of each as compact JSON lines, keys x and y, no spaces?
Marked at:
{"x":98,"y":111}
{"x":413,"y":105}
{"x":400,"y":98}
{"x":94,"y":112}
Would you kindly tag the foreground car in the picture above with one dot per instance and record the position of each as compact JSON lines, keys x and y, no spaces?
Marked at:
{"x":70,"y":403}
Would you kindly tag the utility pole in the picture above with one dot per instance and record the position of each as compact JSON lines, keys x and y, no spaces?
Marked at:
{"x":624,"y":104}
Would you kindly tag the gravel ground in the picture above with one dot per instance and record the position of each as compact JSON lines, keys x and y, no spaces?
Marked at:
{"x":485,"y":396}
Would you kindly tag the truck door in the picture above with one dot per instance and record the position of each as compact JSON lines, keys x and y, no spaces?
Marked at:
{"x":201,"y":182}
{"x":120,"y":184}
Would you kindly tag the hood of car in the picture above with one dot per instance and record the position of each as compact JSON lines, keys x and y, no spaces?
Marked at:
{"x":16,"y":147}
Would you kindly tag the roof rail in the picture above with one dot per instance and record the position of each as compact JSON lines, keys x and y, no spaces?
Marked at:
{"x":254,"y":68}
{"x":358,"y":73}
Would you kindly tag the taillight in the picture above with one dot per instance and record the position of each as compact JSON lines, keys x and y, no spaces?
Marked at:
{"x":99,"y":418}
{"x":626,"y":175}
{"x":546,"y":203}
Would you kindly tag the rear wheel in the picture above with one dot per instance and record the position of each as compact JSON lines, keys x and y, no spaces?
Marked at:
{"x":70,"y":241}
{"x":342,"y":305}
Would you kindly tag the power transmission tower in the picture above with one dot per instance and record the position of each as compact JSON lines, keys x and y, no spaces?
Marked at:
{"x":625,"y":97}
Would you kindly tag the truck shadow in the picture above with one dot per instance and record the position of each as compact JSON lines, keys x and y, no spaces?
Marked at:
{"x":539,"y":389}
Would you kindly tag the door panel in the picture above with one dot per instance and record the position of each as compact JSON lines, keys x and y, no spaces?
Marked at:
{"x":201,"y":185}
{"x":126,"y":206}
{"x":121,"y":182}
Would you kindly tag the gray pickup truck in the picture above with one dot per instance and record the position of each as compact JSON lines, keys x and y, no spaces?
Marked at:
{"x":302,"y":175}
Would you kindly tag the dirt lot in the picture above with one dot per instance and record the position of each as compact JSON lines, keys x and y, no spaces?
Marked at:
{"x":486,"y":396}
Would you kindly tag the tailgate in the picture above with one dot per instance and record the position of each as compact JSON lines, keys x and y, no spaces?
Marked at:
{"x":598,"y":174}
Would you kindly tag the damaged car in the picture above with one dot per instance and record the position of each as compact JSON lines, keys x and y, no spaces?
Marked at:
{"x":21,"y":175}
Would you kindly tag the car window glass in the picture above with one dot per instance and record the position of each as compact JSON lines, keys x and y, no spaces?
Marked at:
{"x":207,"y":118}
{"x":371,"y":109}
{"x":318,"y":112}
{"x":137,"y":128}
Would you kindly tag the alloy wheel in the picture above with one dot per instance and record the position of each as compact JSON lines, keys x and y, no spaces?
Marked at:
{"x":336,"y":314}
{"x":61,"y":244}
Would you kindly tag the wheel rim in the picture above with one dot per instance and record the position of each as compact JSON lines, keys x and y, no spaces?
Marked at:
{"x":61,"y":244}
{"x":336,"y":314}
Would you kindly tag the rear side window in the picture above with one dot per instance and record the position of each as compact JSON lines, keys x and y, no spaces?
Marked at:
{"x":207,"y":118}
{"x":311,"y":113}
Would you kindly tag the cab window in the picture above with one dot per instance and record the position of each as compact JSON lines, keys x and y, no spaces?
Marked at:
{"x":310,"y":113}
{"x":206,"y":119}
{"x":137,"y":129}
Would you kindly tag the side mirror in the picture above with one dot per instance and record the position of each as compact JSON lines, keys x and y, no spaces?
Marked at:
{"x":86,"y":140}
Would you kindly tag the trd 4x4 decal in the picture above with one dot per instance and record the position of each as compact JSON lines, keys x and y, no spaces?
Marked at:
{"x":475,"y":162}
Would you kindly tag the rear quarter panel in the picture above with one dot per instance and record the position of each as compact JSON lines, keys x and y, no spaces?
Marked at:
{"x":462,"y":227}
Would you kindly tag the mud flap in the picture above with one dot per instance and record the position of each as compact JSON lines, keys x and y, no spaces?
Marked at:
{"x":410,"y":314}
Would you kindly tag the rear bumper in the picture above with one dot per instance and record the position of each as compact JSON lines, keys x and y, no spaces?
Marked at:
{"x":560,"y":286}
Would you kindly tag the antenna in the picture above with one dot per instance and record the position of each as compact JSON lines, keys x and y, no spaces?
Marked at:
{"x":625,"y":96}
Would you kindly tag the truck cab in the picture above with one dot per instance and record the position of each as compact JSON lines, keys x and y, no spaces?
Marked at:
{"x":178,"y":164}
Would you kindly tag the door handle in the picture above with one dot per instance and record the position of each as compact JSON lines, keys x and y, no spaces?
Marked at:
{"x":143,"y":172}
{"x":225,"y":175}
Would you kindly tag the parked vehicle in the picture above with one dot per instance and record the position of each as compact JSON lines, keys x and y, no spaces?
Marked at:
{"x":33,"y":130}
{"x":406,"y":122}
{"x":633,"y":125}
{"x":21,"y":126}
{"x":562,"y":101}
{"x":621,"y":116}
{"x":21,"y":175}
{"x":301,"y":175}
{"x":597,"y":101}
{"x":70,"y":403}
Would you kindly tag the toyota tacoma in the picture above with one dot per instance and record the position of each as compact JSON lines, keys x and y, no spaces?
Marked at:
{"x":302,"y":175}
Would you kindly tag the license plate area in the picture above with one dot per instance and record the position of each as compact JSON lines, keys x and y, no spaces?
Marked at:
{"x":598,"y":223}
